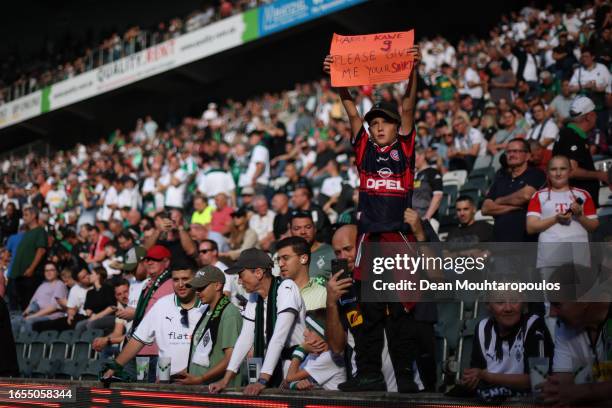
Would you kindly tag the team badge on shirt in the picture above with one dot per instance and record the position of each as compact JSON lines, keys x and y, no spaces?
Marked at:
{"x":354,"y":318}
{"x":394,"y":155}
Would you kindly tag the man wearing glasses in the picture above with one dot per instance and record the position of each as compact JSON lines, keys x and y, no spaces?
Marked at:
{"x":208,"y":254}
{"x":169,"y":324}
{"x":510,"y":193}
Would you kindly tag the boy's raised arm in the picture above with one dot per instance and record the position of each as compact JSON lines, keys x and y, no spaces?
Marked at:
{"x":409,"y":98}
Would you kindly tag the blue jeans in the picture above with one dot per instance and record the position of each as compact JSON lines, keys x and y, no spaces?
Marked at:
{"x":22,"y":324}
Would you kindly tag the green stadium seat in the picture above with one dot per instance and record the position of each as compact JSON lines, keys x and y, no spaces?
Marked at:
{"x":92,"y":370}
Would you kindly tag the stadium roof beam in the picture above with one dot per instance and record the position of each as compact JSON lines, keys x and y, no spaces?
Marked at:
{"x":34,"y":129}
{"x":80,"y":113}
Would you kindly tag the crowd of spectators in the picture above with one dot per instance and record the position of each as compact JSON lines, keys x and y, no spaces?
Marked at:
{"x":57,"y":61}
{"x":143,"y":209}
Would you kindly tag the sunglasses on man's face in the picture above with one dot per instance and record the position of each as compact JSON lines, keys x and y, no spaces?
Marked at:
{"x":205,"y":251}
{"x":185,"y":317}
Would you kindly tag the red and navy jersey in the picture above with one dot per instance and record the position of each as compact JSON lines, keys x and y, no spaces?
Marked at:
{"x":386,"y":176}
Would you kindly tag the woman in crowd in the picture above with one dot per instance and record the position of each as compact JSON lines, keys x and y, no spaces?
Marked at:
{"x":44,"y":304}
{"x":99,"y":305}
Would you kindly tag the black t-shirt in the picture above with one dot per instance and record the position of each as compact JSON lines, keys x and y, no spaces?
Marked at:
{"x":178,"y":254}
{"x":511,"y":227}
{"x":324,"y":157}
{"x":574,"y":147}
{"x":479,"y":231}
{"x":99,"y":299}
{"x":281,"y":224}
{"x":426,"y":182}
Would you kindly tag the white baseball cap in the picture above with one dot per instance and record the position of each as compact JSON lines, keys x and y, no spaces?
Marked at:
{"x":581,"y":105}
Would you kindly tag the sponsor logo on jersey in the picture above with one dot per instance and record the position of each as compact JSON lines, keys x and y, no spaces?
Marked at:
{"x":382,"y":184}
{"x":385,"y":172}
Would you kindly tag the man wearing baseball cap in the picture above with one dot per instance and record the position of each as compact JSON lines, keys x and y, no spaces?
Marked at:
{"x":156,"y":263}
{"x":273,"y":322}
{"x":572,"y":143}
{"x":215,"y":334}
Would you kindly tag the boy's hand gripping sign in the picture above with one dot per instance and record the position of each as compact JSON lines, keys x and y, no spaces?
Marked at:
{"x":371,"y":59}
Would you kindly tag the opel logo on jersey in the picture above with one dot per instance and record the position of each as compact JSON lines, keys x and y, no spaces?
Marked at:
{"x":382,"y":184}
{"x":395,"y":155}
{"x":385,"y":172}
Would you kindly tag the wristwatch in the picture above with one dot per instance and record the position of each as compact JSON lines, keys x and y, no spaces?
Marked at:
{"x":262,"y":381}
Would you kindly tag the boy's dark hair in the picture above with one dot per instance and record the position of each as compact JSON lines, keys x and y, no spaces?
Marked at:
{"x":298,"y":244}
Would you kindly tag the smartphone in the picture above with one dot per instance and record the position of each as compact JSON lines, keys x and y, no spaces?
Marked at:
{"x":341,"y":264}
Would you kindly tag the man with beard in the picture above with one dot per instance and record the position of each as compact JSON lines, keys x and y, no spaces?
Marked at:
{"x":169,"y":324}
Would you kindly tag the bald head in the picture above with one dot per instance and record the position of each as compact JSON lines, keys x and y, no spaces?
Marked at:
{"x":344,"y":243}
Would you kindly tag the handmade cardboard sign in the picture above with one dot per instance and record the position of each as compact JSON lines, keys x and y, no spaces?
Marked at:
{"x":371,"y":59}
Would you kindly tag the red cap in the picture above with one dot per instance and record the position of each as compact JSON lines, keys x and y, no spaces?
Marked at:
{"x":158,"y":252}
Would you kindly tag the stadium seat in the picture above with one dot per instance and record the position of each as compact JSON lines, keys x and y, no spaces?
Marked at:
{"x":25,"y":367}
{"x":451,"y":331}
{"x":605,"y":196}
{"x":47,"y":336}
{"x":479,"y":183}
{"x":37,"y":351}
{"x":484,"y":172}
{"x":70,"y":370}
{"x":465,"y":345}
{"x":456,"y":177}
{"x":81,"y":350}
{"x":482,"y":162}
{"x":91,"y":370}
{"x":61,"y":347}
{"x":46,"y":368}
{"x":27,"y":337}
{"x":604,"y":164}
{"x":90,"y":335}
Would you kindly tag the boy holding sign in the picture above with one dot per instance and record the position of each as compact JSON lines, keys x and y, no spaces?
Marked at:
{"x":385,"y":160}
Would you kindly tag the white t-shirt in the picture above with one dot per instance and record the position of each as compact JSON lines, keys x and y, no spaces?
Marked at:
{"x":324,"y":370}
{"x":260,"y":154}
{"x":543,"y":205}
{"x":162,"y":325}
{"x":472,"y":76}
{"x":213,"y":182}
{"x":599,"y":73}
{"x":56,"y":199}
{"x":288,"y":300}
{"x":549,"y":132}
{"x":332,"y":186}
{"x":262,"y":225}
{"x":530,"y":72}
{"x":76,"y":298}
{"x":174,"y":194}
{"x":573,"y":351}
{"x":110,"y":198}
{"x":474,"y":136}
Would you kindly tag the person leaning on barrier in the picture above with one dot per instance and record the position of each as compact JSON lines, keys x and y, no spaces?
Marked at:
{"x":215,"y":334}
{"x":581,"y":339}
{"x":273,"y":322}
{"x":169,"y":324}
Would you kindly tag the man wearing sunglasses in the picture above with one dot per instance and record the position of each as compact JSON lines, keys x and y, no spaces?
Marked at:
{"x":169,"y":324}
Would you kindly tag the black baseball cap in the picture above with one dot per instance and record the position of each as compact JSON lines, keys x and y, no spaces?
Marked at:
{"x":384,"y":109}
{"x":251,"y":258}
